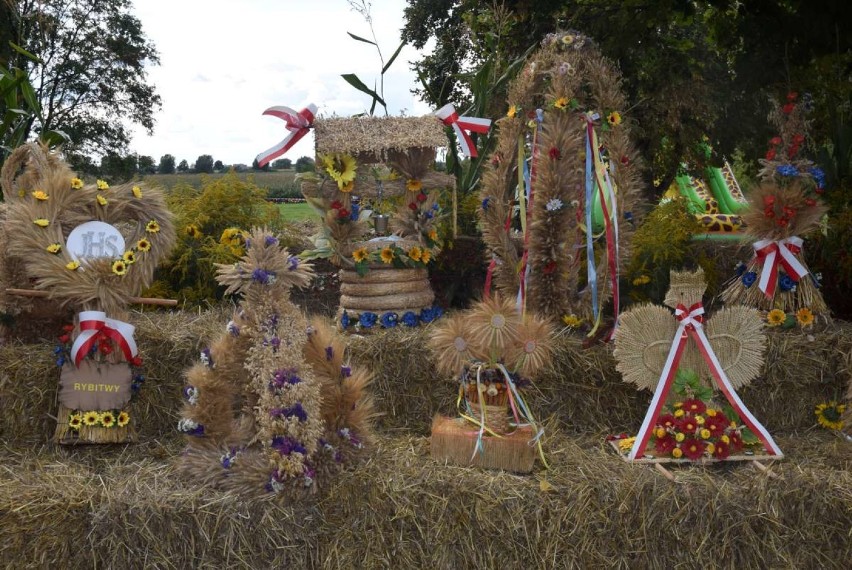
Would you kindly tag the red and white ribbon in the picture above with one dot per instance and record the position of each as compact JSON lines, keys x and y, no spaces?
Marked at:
{"x":690,"y":326}
{"x":461,"y":125}
{"x":773,"y":253}
{"x":298,"y":123}
{"x":92,"y":323}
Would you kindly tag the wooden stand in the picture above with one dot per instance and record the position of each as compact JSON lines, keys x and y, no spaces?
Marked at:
{"x":454,"y":441}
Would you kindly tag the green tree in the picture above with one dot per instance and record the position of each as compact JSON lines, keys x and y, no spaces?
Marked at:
{"x":282,"y":164}
{"x":91,"y":74}
{"x":305,"y":164}
{"x":183,"y":166}
{"x":116,"y":168}
{"x":146,"y":165}
{"x":255,"y":165}
{"x":167,"y":164}
{"x":218,"y":166}
{"x":204,"y":164}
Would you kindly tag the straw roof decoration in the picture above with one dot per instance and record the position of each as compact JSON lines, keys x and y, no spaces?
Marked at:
{"x":361,"y":163}
{"x":273,"y":405}
{"x":784,"y":207}
{"x":645,"y":333}
{"x":46,"y":202}
{"x":565,"y":80}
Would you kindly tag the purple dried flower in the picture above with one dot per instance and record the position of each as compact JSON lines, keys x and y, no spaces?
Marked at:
{"x":233,"y":329}
{"x":345,"y":371}
{"x":283,"y":377}
{"x":329,"y":353}
{"x":260,"y":275}
{"x":292,"y":263}
{"x":270,"y":240}
{"x":286,"y":445}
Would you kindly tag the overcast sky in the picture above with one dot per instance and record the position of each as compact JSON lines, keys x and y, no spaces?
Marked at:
{"x":223,"y":62}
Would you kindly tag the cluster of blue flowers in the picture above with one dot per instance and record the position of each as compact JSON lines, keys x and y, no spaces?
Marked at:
{"x":749,"y":278}
{"x":787,"y":170}
{"x":819,"y":176}
{"x":390,"y":319}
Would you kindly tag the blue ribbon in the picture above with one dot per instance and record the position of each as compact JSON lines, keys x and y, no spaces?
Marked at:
{"x":590,"y":248}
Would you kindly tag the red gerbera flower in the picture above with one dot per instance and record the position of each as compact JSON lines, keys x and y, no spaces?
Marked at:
{"x":693,"y":448}
{"x":666,"y":421}
{"x":716,"y":424}
{"x":688,"y":425}
{"x":736,"y":440}
{"x":694,"y":406}
{"x":721,"y":450}
{"x":664,"y":445}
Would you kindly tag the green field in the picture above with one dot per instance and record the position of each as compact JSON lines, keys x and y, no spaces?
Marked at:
{"x":278,"y":179}
{"x":298,"y":212}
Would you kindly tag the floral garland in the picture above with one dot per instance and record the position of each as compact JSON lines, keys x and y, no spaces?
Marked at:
{"x":101,"y":348}
{"x":368,"y":320}
{"x":415,"y":257}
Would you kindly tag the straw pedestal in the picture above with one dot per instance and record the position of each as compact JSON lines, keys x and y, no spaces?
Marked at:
{"x":385,"y":289}
{"x":454,"y":441}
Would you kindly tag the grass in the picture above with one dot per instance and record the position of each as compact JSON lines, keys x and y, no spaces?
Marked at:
{"x":278,"y":180}
{"x":298,"y":212}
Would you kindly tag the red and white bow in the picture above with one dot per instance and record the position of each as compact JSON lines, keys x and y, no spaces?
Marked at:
{"x":461,"y":125}
{"x":298,"y":123}
{"x":783,"y":252}
{"x":92,"y":323}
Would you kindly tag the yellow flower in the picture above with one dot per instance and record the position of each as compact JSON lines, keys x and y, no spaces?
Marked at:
{"x":75,"y":421}
{"x":725,"y":439}
{"x":677,"y":453}
{"x":72,"y":265}
{"x":415,"y":253}
{"x":660,"y":432}
{"x":561,"y":103}
{"x":680,"y":437}
{"x":805,"y":317}
{"x":776,"y":317}
{"x":700,"y":420}
{"x":347,"y":188}
{"x":679,"y":413}
{"x":614,"y":118}
{"x":360,"y":254}
{"x":829,"y":415}
{"x":626,"y":444}
{"x":152,"y":227}
{"x":102,"y":201}
{"x":102,"y":185}
{"x":193,"y":231}
{"x":54,"y":248}
{"x":107,"y":419}
{"x":567,"y":39}
{"x":40,"y":195}
{"x":123,"y":419}
{"x":119,"y":267}
{"x":76,"y":183}
{"x":711,"y":412}
{"x":91,"y":418}
{"x":426,"y":256}
{"x":143,"y":245}
{"x":387,"y":255}
{"x":512,"y":112}
{"x":413,"y":185}
{"x":733,"y":424}
{"x":137,"y":192}
{"x":433,"y":234}
{"x":678,"y":404}
{"x":705,"y":433}
{"x":129,"y":257}
{"x":341,"y":168}
{"x":41,"y":222}
{"x":572,"y":321}
{"x":641,"y":280}
{"x":710,"y":448}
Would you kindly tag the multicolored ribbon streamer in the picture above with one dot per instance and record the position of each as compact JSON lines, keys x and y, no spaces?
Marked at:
{"x":92,"y":323}
{"x":690,"y":326}
{"x":773,"y":253}
{"x":591,"y":267}
{"x":529,"y":176}
{"x":298,"y":124}
{"x":461,"y":125}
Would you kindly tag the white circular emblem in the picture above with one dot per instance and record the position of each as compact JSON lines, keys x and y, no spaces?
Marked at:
{"x":93,"y":240}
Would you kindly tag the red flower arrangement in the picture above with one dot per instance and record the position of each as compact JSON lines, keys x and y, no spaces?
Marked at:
{"x":693,"y":429}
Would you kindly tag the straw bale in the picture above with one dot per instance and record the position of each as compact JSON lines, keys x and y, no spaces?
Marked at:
{"x":122,"y":506}
{"x":377,"y":135}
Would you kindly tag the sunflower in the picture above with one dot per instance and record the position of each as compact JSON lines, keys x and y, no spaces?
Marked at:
{"x":348,"y":187}
{"x":426,"y":256}
{"x":805,"y":317}
{"x":451,"y":343}
{"x":829,"y":415}
{"x":533,"y":348}
{"x":413,"y":185}
{"x":143,"y":245}
{"x":40,"y":195}
{"x":54,"y":248}
{"x":91,"y":418}
{"x":75,"y":421}
{"x":102,"y":185}
{"x":776,"y":317}
{"x":107,"y":419}
{"x":494,"y":323}
{"x":123,"y":419}
{"x":360,"y":254}
{"x":76,"y":183}
{"x":512,"y":112}
{"x":340,"y":167}
{"x":137,"y":192}
{"x":119,"y":267}
{"x":614,"y":118}
{"x":129,"y":257}
{"x":193,"y":231}
{"x":561,"y":103}
{"x":41,"y":222}
{"x":102,"y":201}
{"x":415,"y":253}
{"x":72,"y":265}
{"x":152,"y":227}
{"x":387,"y":255}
